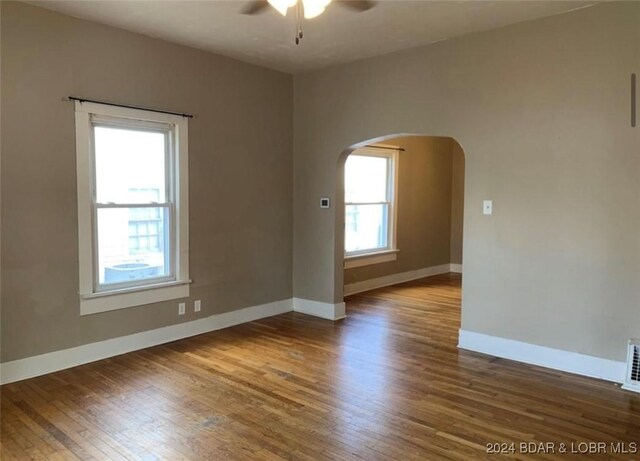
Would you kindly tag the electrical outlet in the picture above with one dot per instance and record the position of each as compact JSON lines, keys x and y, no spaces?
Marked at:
{"x":197,"y":306}
{"x":181,"y":308}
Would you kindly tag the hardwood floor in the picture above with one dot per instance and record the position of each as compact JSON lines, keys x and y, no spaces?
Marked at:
{"x":386,"y":383}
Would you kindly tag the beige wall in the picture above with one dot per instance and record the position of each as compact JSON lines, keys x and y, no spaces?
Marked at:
{"x":240,"y":162}
{"x":457,"y":202}
{"x":541,"y":110}
{"x":425,"y":208}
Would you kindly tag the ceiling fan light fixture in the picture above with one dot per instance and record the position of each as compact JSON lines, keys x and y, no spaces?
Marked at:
{"x":313,"y":8}
{"x":282,"y":5}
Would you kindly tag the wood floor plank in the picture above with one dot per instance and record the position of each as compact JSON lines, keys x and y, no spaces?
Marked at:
{"x":388,"y":382}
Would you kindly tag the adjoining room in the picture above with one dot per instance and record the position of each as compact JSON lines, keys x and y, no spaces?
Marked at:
{"x":404,"y":211}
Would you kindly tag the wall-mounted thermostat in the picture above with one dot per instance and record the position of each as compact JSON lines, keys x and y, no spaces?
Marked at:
{"x":325,"y":202}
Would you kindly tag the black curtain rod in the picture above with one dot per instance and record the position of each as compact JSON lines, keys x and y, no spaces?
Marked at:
{"x":385,"y":147}
{"x":73,"y":98}
{"x":633,"y":100}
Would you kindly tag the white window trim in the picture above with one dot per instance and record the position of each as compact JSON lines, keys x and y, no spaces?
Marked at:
{"x":367,"y":259}
{"x":92,"y":301}
{"x":390,"y":253}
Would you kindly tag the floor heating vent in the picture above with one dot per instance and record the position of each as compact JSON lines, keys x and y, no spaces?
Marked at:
{"x":632,"y":380}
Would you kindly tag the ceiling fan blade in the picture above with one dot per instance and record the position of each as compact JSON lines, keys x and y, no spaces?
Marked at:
{"x":254,"y":7}
{"x":357,"y":5}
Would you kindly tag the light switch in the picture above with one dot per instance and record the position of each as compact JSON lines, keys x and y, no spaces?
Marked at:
{"x":325,"y":202}
{"x":487,"y":207}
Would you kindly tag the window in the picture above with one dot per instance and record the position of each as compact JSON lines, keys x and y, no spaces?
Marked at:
{"x":132,"y":206}
{"x":370,"y":208}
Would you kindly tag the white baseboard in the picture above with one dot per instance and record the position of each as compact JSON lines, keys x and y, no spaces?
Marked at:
{"x":456,"y":268}
{"x":556,"y":359}
{"x":59,"y":360}
{"x":317,"y":309}
{"x":631,"y":388}
{"x":393,"y":279}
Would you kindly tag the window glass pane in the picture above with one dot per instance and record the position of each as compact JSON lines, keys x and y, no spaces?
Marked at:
{"x":366,"y":178}
{"x":366,"y":227}
{"x":127,"y":249}
{"x":130,"y":166}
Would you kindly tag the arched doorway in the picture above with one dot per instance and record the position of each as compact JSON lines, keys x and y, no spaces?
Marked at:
{"x":412,"y":192}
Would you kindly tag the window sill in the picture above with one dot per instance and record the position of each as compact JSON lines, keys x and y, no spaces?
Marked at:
{"x":367,"y":259}
{"x":94,"y":303}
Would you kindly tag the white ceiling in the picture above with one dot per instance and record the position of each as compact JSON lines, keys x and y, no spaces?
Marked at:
{"x":338,"y":35}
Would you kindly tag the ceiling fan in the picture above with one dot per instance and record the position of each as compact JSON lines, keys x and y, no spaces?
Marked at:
{"x":304,"y":8}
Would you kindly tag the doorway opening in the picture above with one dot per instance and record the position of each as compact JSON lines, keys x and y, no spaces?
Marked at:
{"x":403,"y":212}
